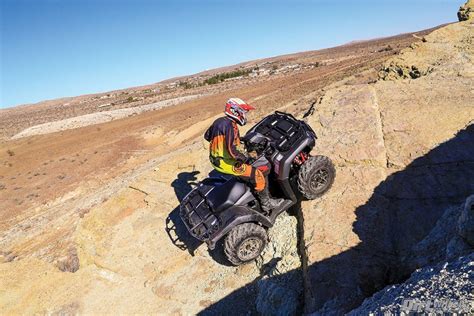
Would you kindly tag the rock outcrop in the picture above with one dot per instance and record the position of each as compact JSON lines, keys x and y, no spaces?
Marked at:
{"x":466,"y":11}
{"x":436,"y":52}
{"x":403,"y":153}
{"x":445,"y":242}
{"x":444,"y":271}
{"x":466,"y":222}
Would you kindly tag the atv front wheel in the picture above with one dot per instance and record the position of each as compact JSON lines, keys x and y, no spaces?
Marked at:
{"x":316,"y":177}
{"x":244,"y":243}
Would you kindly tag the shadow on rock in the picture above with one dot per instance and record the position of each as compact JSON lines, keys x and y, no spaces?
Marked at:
{"x":184,"y":182}
{"x":268,"y":295}
{"x":175,"y":228}
{"x":402,"y":211}
{"x":218,"y":255}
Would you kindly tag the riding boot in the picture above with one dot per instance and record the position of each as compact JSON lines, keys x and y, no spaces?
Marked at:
{"x":267,"y":202}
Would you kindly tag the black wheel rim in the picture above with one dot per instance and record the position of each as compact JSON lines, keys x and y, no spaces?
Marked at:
{"x":249,"y":248}
{"x":319,"y":180}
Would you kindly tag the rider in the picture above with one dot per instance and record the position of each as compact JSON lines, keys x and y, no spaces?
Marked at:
{"x":225,"y":156}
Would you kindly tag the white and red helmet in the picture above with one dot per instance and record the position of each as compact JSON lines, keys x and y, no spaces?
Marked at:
{"x":236,"y":109}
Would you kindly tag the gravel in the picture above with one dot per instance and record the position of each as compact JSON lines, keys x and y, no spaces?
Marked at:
{"x":444,"y":288}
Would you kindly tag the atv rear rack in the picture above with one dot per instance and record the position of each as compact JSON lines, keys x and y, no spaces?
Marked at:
{"x":197,"y":214}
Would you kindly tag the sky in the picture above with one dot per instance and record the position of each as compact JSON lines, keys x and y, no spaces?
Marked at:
{"x":59,"y":48}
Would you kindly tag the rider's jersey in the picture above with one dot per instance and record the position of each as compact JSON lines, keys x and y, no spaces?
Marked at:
{"x":224,"y":138}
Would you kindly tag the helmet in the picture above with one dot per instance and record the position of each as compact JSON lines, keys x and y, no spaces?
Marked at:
{"x":236,"y":109}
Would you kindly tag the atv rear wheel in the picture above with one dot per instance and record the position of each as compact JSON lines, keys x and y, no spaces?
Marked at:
{"x":244,"y":243}
{"x":316,"y":177}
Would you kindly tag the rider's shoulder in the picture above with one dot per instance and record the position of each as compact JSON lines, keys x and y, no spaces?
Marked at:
{"x":222,"y":121}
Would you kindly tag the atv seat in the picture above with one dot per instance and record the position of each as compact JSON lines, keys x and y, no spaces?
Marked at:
{"x":227,"y":194}
{"x":214,"y":174}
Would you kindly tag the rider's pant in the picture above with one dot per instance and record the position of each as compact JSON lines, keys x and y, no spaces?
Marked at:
{"x":241,"y":170}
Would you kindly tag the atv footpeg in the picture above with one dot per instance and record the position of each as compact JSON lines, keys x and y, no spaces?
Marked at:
{"x":283,"y":207}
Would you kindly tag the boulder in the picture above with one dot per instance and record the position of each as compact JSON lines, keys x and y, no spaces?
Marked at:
{"x":466,"y":221}
{"x":466,"y":12}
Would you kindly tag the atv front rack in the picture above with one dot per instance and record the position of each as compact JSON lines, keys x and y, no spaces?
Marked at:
{"x":197,"y":214}
{"x":283,"y":130}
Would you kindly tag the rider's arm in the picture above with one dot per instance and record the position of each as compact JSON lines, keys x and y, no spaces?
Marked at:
{"x":207,"y":135}
{"x":230,"y":145}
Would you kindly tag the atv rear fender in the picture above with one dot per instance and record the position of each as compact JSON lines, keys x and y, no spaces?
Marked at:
{"x":234,"y":216}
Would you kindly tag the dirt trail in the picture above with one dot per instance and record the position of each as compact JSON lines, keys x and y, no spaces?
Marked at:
{"x":99,"y":117}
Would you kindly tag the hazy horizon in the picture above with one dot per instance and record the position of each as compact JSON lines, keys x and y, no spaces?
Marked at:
{"x":85,"y":47}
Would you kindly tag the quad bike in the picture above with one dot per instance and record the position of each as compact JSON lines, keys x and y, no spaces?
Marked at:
{"x":226,"y":206}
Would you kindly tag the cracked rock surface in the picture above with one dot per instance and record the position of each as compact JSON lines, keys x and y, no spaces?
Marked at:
{"x":403,"y":153}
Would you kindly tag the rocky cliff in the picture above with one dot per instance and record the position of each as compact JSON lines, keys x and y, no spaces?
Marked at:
{"x":404,"y":155}
{"x":445,"y":288}
{"x":444,"y":270}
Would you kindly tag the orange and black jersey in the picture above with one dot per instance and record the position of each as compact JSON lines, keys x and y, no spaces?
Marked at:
{"x":224,"y":138}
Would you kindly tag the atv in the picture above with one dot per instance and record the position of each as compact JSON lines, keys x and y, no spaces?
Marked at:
{"x":226,"y":207}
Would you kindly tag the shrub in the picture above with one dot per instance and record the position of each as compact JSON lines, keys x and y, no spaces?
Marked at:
{"x":386,"y":49}
{"x":185,"y":85}
{"x":227,"y":75}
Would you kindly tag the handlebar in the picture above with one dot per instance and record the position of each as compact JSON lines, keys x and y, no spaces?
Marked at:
{"x":287,"y":114}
